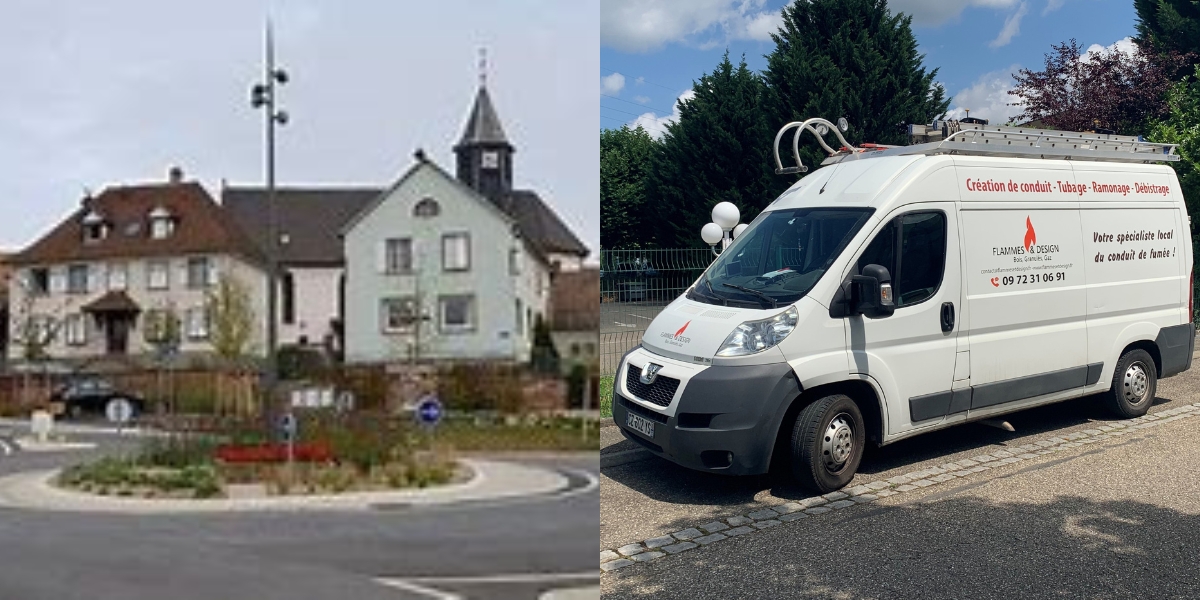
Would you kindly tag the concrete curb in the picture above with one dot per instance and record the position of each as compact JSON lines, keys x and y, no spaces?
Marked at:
{"x":770,"y":515}
{"x":491,"y":480}
{"x":31,"y":445}
{"x":607,"y":422}
{"x":613,"y":459}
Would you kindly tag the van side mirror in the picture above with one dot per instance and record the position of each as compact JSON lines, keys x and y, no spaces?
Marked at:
{"x":870,"y":294}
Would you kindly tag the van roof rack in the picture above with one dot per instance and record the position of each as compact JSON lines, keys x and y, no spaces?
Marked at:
{"x":957,"y":137}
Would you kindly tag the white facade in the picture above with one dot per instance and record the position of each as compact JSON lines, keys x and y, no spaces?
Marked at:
{"x":477,"y":305}
{"x":151,"y":283}
{"x":313,"y":306}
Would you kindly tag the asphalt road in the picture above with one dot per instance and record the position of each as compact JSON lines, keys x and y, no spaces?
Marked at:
{"x":617,"y":317}
{"x":516,"y":548}
{"x":1117,"y":519}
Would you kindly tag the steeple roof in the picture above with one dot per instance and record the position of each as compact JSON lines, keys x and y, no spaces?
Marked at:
{"x":483,"y":126}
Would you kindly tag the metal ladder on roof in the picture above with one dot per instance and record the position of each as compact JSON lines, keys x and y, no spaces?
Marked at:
{"x":954,"y":137}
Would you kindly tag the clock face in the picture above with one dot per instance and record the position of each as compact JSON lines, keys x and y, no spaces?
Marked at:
{"x":491,"y":159}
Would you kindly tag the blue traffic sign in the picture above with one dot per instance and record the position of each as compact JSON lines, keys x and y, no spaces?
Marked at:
{"x":429,"y":410}
{"x":287,"y":426}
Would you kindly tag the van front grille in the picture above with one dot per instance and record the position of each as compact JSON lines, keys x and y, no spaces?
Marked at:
{"x":660,"y":393}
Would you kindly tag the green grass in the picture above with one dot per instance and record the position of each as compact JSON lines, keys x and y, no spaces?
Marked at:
{"x":606,"y":395}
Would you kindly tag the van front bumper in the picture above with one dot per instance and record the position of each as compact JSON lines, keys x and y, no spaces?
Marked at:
{"x":722,"y":419}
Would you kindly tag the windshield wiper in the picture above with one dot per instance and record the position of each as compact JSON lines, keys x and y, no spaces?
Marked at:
{"x":715,"y":295}
{"x":774,"y":304}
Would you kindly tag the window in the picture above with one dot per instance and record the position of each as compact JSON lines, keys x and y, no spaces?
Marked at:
{"x":456,"y":252}
{"x":921,"y":249}
{"x":117,"y":274}
{"x":427,"y":207}
{"x":198,"y":272}
{"x":158,"y":275}
{"x":520,"y":318}
{"x":287,"y":298}
{"x":457,"y":313}
{"x":398,"y":256}
{"x":398,"y":314}
{"x":76,"y":329}
{"x":197,"y":323}
{"x":514,"y":262}
{"x":77,"y":279}
{"x":93,"y":232}
{"x":590,"y":348}
{"x":160,"y":326}
{"x":39,"y":281}
{"x":162,"y":224}
{"x":575,"y":350}
{"x":779,"y":257}
{"x":529,"y":322}
{"x":491,"y":160}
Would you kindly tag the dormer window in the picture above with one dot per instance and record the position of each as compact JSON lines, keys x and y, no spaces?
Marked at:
{"x":94,"y":227}
{"x":427,"y":207}
{"x":162,"y":224}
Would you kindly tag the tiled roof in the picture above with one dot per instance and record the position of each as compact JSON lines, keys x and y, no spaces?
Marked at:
{"x":201,"y":227}
{"x":539,"y":224}
{"x":575,"y":300}
{"x":308,"y":218}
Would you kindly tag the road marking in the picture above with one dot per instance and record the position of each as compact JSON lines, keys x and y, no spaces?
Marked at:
{"x":422,"y":585}
{"x":5,"y":448}
{"x":620,"y":324}
{"x":641,"y":317}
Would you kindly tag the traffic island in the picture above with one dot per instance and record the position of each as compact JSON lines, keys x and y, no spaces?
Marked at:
{"x":483,"y":481}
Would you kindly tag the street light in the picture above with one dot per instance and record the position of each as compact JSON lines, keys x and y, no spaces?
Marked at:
{"x":262,"y":96}
{"x":724,"y":227}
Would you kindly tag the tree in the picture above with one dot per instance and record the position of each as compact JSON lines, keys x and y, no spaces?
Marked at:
{"x":1107,"y":89}
{"x":625,"y":221}
{"x":1169,"y":26}
{"x":33,"y":332}
{"x":1182,"y":126}
{"x":718,"y":150}
{"x":231,"y":325}
{"x":853,"y":59}
{"x":543,"y":355}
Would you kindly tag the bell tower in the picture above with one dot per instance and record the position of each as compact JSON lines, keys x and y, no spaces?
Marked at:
{"x":484,"y":154}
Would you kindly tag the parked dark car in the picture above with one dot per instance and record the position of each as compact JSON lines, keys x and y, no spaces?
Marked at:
{"x":91,"y":394}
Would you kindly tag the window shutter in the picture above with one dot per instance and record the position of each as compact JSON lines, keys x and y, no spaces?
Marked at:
{"x":213,"y":273}
{"x":58,"y":280}
{"x":381,"y":256}
{"x":183,"y":274}
{"x":95,"y":278}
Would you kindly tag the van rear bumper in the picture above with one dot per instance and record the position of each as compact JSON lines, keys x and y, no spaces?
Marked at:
{"x":1175,"y":347}
{"x":725,"y":420}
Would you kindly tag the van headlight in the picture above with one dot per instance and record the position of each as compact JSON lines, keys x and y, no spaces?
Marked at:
{"x":752,"y":337}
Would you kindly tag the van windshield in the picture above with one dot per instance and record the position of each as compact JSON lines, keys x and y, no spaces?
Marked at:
{"x":779,"y":257}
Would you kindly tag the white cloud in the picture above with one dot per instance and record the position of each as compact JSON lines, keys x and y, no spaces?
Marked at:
{"x":937,"y":12}
{"x":612,"y":84}
{"x":1053,"y":5}
{"x":640,"y":80}
{"x":1125,"y":45}
{"x":655,"y":125}
{"x":987,"y":98}
{"x":641,"y":99}
{"x":646,"y":25}
{"x":1012,"y":26}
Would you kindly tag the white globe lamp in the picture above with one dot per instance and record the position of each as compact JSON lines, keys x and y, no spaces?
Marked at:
{"x":726,"y":215}
{"x":711,"y":233}
{"x":739,"y":229}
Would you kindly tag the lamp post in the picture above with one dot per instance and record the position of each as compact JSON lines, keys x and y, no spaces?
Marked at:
{"x":262,"y":96}
{"x":724,"y":227}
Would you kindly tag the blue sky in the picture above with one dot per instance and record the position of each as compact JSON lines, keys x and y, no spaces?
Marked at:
{"x":659,"y":48}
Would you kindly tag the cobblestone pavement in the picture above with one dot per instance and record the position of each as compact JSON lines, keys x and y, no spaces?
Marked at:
{"x":757,"y":508}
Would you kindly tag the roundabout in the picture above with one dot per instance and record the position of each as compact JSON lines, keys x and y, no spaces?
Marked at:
{"x":516,"y":529}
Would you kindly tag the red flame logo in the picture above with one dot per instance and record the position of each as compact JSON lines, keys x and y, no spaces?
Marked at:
{"x":1030,"y":236}
{"x":680,"y":332}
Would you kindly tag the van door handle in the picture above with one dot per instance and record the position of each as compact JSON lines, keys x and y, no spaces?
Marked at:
{"x":947,"y":316}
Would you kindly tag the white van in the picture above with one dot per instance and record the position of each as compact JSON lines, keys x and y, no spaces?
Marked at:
{"x":902,"y":290}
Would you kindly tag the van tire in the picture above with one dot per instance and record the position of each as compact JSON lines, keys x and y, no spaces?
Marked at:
{"x":828,"y":438}
{"x":1134,"y":384}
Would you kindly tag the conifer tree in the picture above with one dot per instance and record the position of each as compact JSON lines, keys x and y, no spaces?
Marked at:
{"x":854,"y":59}
{"x":625,"y":221}
{"x":718,"y":150}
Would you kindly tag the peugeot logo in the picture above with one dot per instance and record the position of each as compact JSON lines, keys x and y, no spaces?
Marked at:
{"x":650,"y":373}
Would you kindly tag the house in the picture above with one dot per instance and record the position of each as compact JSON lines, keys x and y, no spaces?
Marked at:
{"x":5,"y":277}
{"x":442,"y":266}
{"x":575,"y":316}
{"x":310,"y":258}
{"x":105,"y":277}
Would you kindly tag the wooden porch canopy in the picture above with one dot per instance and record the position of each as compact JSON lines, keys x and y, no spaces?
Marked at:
{"x":114,"y":302}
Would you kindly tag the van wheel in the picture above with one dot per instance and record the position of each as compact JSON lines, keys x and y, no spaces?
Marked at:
{"x":827,"y":443}
{"x":1134,"y":384}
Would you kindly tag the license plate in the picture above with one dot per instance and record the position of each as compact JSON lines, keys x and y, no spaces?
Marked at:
{"x":639,"y":424}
